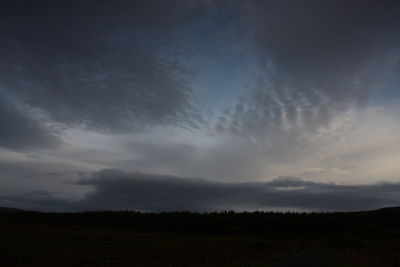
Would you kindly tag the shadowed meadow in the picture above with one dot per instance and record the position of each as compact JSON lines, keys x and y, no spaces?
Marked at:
{"x":129,"y":238}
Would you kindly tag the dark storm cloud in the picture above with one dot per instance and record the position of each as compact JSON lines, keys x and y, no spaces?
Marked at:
{"x":116,"y":190}
{"x":20,"y":131}
{"x":317,"y":59}
{"x":106,"y":65}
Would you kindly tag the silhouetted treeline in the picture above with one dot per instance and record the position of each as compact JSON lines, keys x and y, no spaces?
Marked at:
{"x":378,"y":222}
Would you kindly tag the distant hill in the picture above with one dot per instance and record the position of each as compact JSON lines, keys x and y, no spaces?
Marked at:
{"x":9,"y":210}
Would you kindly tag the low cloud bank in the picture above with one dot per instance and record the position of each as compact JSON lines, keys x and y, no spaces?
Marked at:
{"x":119,"y":190}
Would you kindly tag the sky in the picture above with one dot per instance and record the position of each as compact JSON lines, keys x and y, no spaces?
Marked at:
{"x":200,"y":105}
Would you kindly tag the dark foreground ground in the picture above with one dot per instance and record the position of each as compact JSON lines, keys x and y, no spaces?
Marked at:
{"x":187,"y":239}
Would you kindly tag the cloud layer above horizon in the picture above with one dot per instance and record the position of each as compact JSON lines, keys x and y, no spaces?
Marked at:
{"x":113,"y":189}
{"x":236,"y":93}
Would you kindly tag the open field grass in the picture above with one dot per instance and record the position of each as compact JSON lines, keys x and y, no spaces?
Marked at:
{"x":35,"y":241}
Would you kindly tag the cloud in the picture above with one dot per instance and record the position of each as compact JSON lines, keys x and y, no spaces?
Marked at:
{"x":22,"y":175}
{"x":316,"y":60}
{"x":108,"y":67}
{"x":22,"y":131}
{"x":36,"y":200}
{"x":117,"y":190}
{"x":115,"y":86}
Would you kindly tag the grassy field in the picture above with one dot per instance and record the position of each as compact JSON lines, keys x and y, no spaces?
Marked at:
{"x":38,"y":242}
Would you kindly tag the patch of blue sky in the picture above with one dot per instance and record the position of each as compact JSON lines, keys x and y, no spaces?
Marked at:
{"x":221,"y":80}
{"x":222,"y":69}
{"x":390,"y":92}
